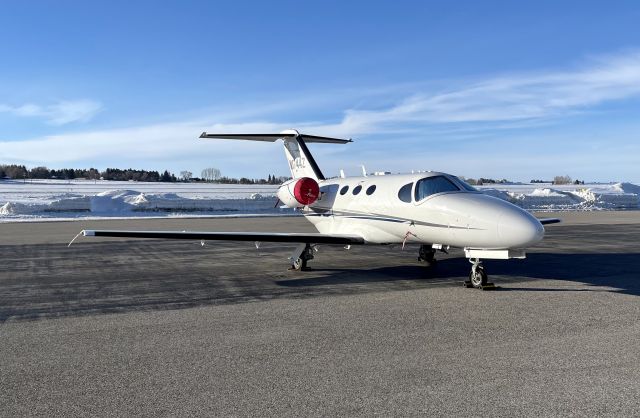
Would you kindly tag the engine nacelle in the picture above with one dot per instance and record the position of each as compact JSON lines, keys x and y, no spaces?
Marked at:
{"x":300,"y":192}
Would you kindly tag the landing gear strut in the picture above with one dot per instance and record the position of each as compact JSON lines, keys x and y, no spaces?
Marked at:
{"x":303,"y":253}
{"x":477,"y":276}
{"x":427,"y":254}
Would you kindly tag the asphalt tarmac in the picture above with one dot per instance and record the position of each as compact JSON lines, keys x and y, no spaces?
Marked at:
{"x":154,"y":327}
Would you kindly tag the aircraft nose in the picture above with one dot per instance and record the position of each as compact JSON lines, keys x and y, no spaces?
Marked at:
{"x":519,"y":228}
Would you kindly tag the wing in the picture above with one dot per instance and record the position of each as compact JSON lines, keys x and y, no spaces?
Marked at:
{"x":230,"y":236}
{"x":547,"y":221}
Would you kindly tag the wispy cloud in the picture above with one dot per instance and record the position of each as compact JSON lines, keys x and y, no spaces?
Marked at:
{"x":516,"y":97}
{"x":168,"y":145}
{"x":60,"y":113}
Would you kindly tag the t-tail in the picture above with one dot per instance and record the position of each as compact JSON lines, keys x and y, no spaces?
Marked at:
{"x":301,"y":162}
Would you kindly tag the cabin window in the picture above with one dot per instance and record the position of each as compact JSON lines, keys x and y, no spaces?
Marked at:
{"x":433,"y":185}
{"x":357,"y":189}
{"x":344,"y":190}
{"x":405,"y":193}
{"x":371,"y":189}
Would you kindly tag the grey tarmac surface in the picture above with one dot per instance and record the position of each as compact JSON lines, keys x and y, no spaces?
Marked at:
{"x":116,"y":328}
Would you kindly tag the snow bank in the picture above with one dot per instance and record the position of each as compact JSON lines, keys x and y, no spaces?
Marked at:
{"x":62,"y":199}
{"x":544,"y":199}
{"x":112,"y":201}
{"x":65,"y":203}
{"x":618,"y":196}
{"x":12,"y":209}
{"x":627,"y":188}
{"x":122,"y":202}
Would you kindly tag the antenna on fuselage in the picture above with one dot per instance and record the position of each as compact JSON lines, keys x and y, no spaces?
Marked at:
{"x":364,"y":171}
{"x":342,"y":176}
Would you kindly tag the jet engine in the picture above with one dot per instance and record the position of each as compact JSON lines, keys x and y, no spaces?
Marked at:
{"x":300,"y":192}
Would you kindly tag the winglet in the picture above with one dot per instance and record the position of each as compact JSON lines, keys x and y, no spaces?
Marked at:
{"x":76,"y":237}
{"x":84,"y":233}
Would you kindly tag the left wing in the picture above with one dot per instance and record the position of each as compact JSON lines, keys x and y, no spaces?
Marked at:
{"x":311,"y":238}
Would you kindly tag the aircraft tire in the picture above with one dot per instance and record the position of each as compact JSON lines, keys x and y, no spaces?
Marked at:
{"x":297,"y":264}
{"x":478,"y":279}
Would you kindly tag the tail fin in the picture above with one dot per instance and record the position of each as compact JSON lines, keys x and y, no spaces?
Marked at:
{"x":301,"y":162}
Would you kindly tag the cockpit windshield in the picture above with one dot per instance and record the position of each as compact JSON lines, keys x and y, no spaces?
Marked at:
{"x":466,"y":185}
{"x":433,"y":185}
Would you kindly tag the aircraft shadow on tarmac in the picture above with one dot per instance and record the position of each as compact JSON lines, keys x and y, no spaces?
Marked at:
{"x":618,"y":270}
{"x":137,"y":279}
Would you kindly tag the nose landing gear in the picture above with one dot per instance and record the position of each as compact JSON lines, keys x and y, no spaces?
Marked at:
{"x":477,"y":276}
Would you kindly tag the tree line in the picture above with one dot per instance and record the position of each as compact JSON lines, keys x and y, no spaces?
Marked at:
{"x":559,"y":180}
{"x":22,"y":172}
{"x":19,"y":172}
{"x":214,"y":175}
{"x":243,"y":180}
{"x":481,"y":181}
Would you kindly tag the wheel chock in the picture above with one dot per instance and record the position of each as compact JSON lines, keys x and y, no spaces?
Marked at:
{"x":488,"y":286}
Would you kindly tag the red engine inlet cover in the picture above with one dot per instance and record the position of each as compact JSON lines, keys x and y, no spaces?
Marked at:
{"x":306,"y":191}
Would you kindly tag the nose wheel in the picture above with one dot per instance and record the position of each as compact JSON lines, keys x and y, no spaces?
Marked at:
{"x":477,"y":276}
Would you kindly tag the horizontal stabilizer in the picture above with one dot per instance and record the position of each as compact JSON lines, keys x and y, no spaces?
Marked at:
{"x":275,"y":137}
{"x":312,"y":238}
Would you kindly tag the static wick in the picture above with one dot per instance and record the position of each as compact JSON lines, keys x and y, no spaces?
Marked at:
{"x":406,"y":237}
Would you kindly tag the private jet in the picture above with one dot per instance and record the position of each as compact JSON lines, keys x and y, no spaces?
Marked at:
{"x":436,"y":210}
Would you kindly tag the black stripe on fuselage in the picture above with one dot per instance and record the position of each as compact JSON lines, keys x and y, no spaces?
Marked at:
{"x":382,"y":218}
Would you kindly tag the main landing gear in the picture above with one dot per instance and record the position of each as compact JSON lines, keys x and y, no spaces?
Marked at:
{"x":302,"y":254}
{"x":477,"y":276}
{"x":427,"y":254}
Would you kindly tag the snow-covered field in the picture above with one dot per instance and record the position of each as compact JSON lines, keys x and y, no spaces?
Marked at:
{"x":57,"y":199}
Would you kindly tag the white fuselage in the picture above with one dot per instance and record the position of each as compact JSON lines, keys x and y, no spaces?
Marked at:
{"x":423,"y":213}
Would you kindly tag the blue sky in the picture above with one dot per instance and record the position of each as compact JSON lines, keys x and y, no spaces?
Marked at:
{"x":493,"y":89}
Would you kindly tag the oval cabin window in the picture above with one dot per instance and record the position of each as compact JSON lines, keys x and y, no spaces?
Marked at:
{"x":357,"y":189}
{"x":371,"y":189}
{"x":404,"y":193}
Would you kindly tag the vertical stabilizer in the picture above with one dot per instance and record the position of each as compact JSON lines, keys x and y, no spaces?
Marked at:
{"x":301,"y":162}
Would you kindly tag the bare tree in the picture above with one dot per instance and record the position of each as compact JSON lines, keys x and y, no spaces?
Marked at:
{"x":211,"y":174}
{"x":562,"y":180}
{"x":186,"y":175}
